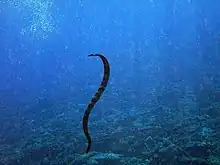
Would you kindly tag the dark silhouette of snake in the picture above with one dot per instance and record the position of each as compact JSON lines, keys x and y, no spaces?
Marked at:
{"x":95,"y":98}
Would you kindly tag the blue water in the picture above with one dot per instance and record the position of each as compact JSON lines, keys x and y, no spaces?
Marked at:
{"x":161,"y":105}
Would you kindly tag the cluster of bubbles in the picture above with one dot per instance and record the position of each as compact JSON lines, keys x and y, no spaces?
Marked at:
{"x":38,"y":13}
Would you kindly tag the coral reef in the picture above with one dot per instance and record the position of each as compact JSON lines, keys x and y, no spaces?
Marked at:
{"x":152,"y":133}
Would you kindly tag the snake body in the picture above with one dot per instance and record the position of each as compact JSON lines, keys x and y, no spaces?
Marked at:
{"x":95,"y":98}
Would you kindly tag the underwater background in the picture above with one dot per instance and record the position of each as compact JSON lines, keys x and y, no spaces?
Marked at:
{"x":161,"y":105}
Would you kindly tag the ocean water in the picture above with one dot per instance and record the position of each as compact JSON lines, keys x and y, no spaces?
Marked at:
{"x":161,"y":104}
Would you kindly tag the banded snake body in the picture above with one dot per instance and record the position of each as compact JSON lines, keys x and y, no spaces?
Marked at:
{"x":95,"y":98}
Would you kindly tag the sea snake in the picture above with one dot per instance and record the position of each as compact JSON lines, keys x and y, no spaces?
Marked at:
{"x":95,"y":98}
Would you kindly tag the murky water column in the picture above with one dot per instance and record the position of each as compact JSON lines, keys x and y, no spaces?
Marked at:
{"x":38,"y":19}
